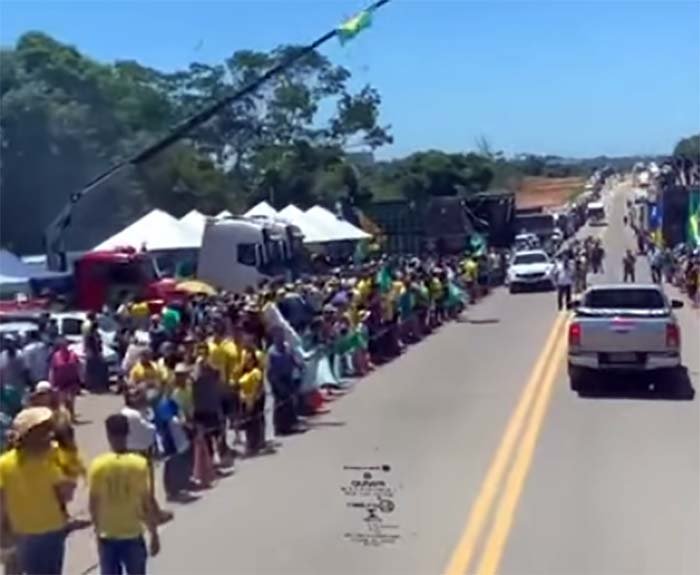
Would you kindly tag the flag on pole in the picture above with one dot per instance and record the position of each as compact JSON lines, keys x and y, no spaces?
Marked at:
{"x":352,"y":27}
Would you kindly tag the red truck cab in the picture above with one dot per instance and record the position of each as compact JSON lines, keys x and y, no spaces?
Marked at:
{"x":103,"y":277}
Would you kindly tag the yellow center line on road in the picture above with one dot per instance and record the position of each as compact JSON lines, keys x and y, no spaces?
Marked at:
{"x":505,"y":513}
{"x":464,"y":552}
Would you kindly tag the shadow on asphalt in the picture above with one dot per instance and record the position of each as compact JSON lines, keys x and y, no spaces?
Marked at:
{"x":644,"y":386}
{"x":316,"y":424}
{"x":482,"y":321}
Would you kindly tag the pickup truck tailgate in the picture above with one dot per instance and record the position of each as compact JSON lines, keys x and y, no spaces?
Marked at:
{"x":623,"y":334}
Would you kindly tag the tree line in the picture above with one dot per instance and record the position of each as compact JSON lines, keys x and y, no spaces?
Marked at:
{"x":66,"y":117}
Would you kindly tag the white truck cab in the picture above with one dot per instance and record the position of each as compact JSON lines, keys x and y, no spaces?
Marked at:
{"x":240,"y":252}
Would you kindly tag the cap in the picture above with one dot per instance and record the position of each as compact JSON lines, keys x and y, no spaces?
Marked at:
{"x":29,"y":418}
{"x":43,"y":387}
{"x":182,"y":368}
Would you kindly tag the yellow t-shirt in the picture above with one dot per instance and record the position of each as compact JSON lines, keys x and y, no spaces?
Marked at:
{"x":149,"y":373}
{"x":139,"y":310}
{"x":363,"y":287}
{"x":29,"y":485}
{"x":70,"y":462}
{"x":232,"y":360}
{"x":167,"y":375}
{"x":183,"y":398}
{"x":471,"y":270}
{"x":219,"y":358}
{"x":435,"y":288}
{"x":250,"y":385}
{"x":242,"y":361}
{"x":119,"y":482}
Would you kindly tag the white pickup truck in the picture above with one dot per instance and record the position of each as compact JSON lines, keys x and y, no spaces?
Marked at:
{"x":623,"y":328}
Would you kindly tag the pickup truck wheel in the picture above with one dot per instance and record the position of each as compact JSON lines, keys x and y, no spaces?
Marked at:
{"x":513,"y":288}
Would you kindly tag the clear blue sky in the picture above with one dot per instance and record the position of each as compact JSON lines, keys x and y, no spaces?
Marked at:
{"x":562,"y":77}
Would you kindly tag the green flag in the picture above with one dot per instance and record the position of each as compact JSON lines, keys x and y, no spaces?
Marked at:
{"x":694,"y":218}
{"x":383,"y":279}
{"x":477,"y":243}
{"x":361,"y":250}
{"x":351,"y":28}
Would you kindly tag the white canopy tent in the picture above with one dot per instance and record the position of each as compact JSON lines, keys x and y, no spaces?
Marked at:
{"x":196,"y":221}
{"x":337,"y":228}
{"x":14,"y":274}
{"x":156,"y":231}
{"x":224,"y":214}
{"x":261,"y":209}
{"x":312,"y":233}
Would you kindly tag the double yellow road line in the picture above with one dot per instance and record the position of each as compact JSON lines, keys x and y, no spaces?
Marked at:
{"x":522,"y":432}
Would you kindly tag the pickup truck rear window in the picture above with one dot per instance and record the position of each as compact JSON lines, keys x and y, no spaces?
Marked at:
{"x":641,"y":299}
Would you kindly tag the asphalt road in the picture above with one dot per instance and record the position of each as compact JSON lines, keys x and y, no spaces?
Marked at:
{"x":494,"y":465}
{"x":614,"y":486}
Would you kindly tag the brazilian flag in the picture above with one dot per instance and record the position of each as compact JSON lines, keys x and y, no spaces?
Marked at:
{"x":352,"y":27}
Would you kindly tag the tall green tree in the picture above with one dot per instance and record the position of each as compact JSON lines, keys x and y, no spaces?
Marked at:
{"x":688,"y":148}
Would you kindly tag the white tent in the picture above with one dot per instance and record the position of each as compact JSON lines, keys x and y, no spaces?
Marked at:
{"x":312,"y":233}
{"x":14,"y":274}
{"x":224,"y":214}
{"x":155,"y":231}
{"x":195,"y":220}
{"x":338,"y":228}
{"x":261,"y":209}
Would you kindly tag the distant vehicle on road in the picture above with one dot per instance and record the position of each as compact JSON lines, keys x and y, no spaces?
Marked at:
{"x":530,"y":269}
{"x":623,"y":328}
{"x":542,"y":225}
{"x":595,"y":212}
{"x":525,"y":242}
{"x":70,"y":326}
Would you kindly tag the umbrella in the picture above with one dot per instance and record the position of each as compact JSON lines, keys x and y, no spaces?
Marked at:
{"x":196,"y":287}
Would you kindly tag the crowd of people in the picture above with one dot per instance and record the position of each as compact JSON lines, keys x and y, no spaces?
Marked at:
{"x":678,"y":265}
{"x":202,"y":382}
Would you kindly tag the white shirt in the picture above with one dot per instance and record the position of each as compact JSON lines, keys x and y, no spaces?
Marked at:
{"x":563,"y":276}
{"x":142,"y":433}
{"x":36,"y":358}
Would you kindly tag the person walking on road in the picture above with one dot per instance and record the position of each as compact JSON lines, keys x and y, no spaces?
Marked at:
{"x":629,"y":262}
{"x":64,"y":374}
{"x":34,"y":494}
{"x":121,"y":503}
{"x":563,"y":278}
{"x":657,"y":258}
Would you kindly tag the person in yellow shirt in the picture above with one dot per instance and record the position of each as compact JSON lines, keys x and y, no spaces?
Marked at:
{"x":166,"y":365}
{"x":219,"y":353}
{"x":34,"y":493}
{"x":470,"y":277}
{"x":182,"y":391}
{"x":121,"y":504}
{"x":146,"y":373}
{"x":252,"y":396}
{"x":222,"y":357}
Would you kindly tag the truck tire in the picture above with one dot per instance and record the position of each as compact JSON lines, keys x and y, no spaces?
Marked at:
{"x":513,"y":288}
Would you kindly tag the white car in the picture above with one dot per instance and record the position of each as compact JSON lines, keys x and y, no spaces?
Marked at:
{"x":70,"y":326}
{"x":532,"y":269}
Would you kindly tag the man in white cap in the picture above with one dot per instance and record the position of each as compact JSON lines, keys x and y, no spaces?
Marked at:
{"x":34,"y":493}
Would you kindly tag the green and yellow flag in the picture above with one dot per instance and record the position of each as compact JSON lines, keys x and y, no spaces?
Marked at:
{"x":352,"y":27}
